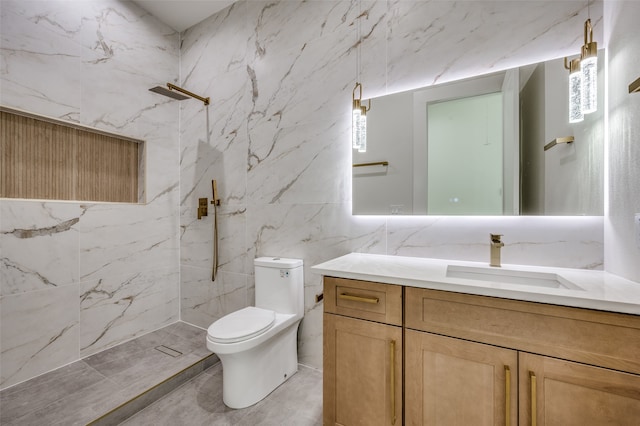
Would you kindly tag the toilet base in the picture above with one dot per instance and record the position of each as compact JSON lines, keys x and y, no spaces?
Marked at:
{"x":249,"y":376}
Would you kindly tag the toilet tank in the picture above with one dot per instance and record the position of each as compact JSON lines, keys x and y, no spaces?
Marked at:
{"x":280,"y":284}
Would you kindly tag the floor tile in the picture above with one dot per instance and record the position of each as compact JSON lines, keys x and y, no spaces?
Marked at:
{"x":297,"y":402}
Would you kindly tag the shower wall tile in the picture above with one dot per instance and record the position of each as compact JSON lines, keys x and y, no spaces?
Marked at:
{"x":38,"y":332}
{"x":40,"y":246}
{"x":120,"y":307}
{"x":197,"y":235}
{"x":225,"y":36}
{"x":122,"y":239}
{"x":90,"y":62}
{"x":40,"y":42}
{"x":203,"y":301}
{"x":124,"y":32}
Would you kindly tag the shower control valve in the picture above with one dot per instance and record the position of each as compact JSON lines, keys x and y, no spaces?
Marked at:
{"x":202,"y":207}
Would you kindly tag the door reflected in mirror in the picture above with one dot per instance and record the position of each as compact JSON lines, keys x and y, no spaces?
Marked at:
{"x":476,"y":147}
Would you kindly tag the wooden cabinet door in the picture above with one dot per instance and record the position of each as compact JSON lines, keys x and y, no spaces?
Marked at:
{"x":451,"y":382}
{"x":565,"y":393}
{"x":362,"y":372}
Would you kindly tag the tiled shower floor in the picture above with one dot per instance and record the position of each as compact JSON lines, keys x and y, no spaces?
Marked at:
{"x":109,"y":387}
{"x":86,"y":390}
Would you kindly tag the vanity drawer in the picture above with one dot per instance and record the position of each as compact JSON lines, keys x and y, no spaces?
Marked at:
{"x":600,"y":338}
{"x":363,"y":299}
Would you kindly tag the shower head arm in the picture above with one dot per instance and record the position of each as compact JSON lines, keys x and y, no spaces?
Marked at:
{"x":188,"y":93}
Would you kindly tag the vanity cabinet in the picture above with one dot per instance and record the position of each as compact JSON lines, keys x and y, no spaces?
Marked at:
{"x":475,"y":360}
{"x":570,"y":366}
{"x":362,"y":353}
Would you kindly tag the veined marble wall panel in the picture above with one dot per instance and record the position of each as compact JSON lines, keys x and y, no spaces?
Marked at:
{"x":40,"y":246}
{"x":41,"y":57}
{"x":90,"y":62}
{"x":301,"y":60}
{"x":301,"y":155}
{"x":436,"y":42}
{"x":203,"y":301}
{"x":39,"y":332}
{"x":197,"y":235}
{"x":129,"y":238}
{"x":571,"y":242}
{"x":225,"y":36}
{"x":287,"y":82}
{"x":120,"y":307}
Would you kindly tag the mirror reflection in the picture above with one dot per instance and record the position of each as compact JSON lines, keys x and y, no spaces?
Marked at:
{"x":477,"y":147}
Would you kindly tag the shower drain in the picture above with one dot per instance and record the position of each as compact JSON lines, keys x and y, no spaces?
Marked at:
{"x":168,"y":351}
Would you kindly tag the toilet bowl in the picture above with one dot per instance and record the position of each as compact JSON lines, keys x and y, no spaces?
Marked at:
{"x":257,"y":345}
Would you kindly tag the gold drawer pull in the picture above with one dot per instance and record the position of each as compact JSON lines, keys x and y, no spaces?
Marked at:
{"x":346,"y":296}
{"x":534,"y":414}
{"x":392,"y":378}
{"x":507,"y":398}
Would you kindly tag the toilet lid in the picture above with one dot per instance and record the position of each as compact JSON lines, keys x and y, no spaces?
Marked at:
{"x":241,"y":325}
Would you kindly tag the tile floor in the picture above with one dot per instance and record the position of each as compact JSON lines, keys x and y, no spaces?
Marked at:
{"x":85,"y":390}
{"x":297,"y":402}
{"x":186,"y":388}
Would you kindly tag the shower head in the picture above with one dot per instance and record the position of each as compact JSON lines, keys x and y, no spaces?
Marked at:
{"x":166,"y":92}
{"x":171,"y":89}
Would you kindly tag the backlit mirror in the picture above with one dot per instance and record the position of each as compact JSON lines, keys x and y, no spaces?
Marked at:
{"x":477,"y":147}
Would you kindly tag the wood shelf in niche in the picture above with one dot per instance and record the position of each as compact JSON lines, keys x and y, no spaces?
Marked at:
{"x":45,"y":158}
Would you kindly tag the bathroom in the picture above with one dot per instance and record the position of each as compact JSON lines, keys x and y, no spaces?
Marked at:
{"x":276,"y":137}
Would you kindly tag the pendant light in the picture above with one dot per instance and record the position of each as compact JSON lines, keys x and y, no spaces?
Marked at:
{"x":356,"y":127}
{"x":589,"y":66}
{"x":575,"y":90}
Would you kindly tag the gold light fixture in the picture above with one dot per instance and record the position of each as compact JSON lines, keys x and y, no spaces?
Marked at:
{"x":583,"y":78}
{"x":359,"y":120}
{"x":589,"y":66}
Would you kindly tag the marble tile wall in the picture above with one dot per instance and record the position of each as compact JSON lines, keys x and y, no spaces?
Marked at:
{"x":277,"y":136}
{"x":77,"y":277}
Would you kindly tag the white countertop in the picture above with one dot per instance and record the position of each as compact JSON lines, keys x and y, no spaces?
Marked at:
{"x":598,"y":289}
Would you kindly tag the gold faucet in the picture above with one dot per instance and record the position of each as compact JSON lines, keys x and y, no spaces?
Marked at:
{"x":496,"y":245}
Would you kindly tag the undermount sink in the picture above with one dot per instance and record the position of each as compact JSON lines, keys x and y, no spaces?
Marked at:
{"x":509,"y":276}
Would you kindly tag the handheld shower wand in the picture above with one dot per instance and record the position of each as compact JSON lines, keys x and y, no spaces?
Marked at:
{"x":216,"y":202}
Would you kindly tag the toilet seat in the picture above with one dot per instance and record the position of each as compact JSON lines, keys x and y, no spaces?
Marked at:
{"x":241,"y":325}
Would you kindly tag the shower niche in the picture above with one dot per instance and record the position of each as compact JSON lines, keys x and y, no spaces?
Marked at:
{"x":50,"y":159}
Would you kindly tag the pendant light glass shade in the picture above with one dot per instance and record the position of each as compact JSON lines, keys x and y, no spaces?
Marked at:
{"x":356,"y":136}
{"x":359,"y":121}
{"x":362,"y":130}
{"x":575,"y":91}
{"x":589,"y":65}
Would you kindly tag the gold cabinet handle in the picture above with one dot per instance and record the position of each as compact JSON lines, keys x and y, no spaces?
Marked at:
{"x":507,"y":398}
{"x":346,"y":296}
{"x":392,"y":379}
{"x":534,"y":413}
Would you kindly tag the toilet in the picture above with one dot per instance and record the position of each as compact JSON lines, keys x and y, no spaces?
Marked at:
{"x":257,"y":345}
